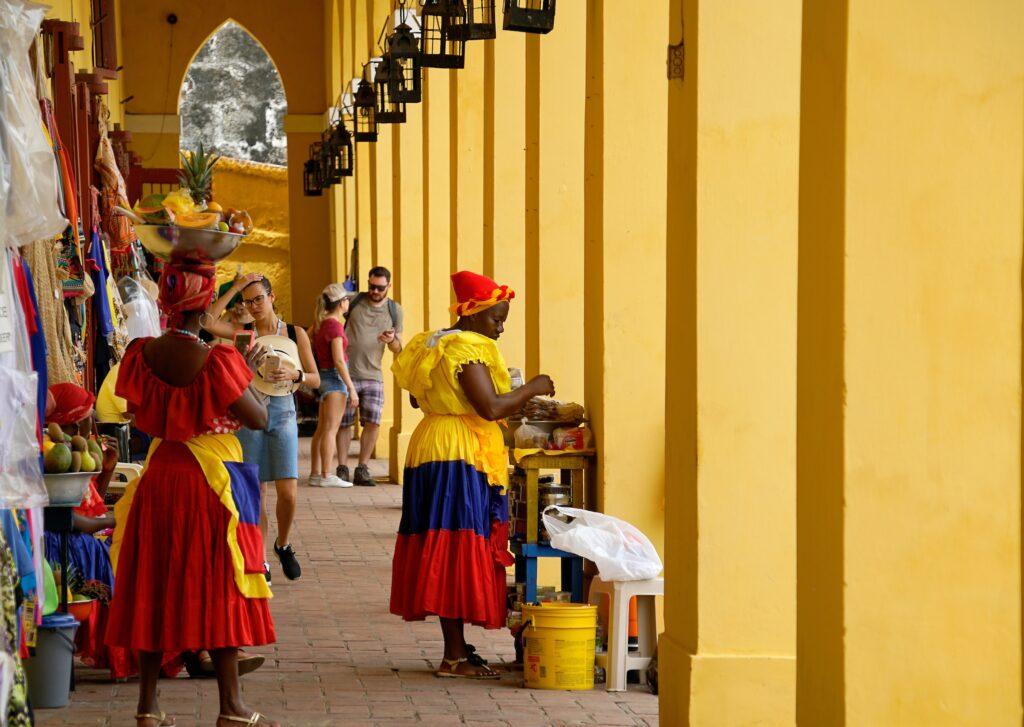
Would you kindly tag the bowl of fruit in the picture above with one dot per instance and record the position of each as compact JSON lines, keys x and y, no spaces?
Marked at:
{"x":68,"y":465}
{"x":187,"y":221}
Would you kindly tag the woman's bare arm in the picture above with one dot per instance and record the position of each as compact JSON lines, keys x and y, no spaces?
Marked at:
{"x":475,"y":380}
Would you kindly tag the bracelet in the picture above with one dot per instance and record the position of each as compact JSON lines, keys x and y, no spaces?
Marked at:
{"x":302,"y":376}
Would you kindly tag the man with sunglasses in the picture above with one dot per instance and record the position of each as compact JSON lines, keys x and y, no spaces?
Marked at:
{"x":374,"y":323}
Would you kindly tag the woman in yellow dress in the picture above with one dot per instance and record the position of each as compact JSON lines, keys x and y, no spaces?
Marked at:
{"x":452,"y":547}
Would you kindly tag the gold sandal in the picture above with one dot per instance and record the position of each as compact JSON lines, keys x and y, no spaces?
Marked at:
{"x":453,"y":664}
{"x":161,"y":719}
{"x":253,"y":719}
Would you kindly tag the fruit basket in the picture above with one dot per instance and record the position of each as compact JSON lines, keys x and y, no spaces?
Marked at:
{"x":68,"y":489}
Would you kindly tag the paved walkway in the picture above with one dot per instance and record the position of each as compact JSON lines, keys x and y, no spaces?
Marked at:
{"x":342,"y":659}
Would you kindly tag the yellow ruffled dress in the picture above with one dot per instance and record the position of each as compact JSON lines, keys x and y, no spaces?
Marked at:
{"x":451,"y":553}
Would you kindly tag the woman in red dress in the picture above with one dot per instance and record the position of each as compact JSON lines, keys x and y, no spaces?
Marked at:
{"x":187,"y":548}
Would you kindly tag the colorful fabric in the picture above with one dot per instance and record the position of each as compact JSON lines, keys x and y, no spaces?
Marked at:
{"x":371,"y":403}
{"x":187,"y":549}
{"x":72,"y":404}
{"x":186,"y":286}
{"x":451,"y":552}
{"x":111,"y":408}
{"x":476,"y":293}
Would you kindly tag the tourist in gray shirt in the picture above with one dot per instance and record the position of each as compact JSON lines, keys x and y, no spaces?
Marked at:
{"x":374,"y":323}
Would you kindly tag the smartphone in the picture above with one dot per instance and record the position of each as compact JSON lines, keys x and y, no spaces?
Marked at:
{"x":244,"y":341}
{"x":271,"y":363}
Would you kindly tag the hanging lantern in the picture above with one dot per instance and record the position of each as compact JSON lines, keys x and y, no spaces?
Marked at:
{"x":365,"y":107}
{"x":330,"y":158}
{"x":442,"y":41}
{"x":311,"y":178}
{"x":342,"y":141}
{"x":390,"y":110}
{"x":406,"y":80}
{"x":529,"y":16}
{"x":479,"y":22}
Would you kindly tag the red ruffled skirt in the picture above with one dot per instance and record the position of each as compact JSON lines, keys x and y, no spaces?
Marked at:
{"x":175,"y":582}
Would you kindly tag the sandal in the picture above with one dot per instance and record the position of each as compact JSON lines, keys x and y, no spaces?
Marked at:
{"x":453,"y":664}
{"x":252,"y":719}
{"x":161,"y":719}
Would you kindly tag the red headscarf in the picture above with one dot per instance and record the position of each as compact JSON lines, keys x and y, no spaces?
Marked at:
{"x":72,"y":404}
{"x":186,"y":286}
{"x":476,"y":293}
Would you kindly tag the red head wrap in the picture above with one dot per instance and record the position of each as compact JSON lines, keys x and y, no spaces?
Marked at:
{"x":476,"y":293}
{"x":71,"y":404}
{"x":186,"y":286}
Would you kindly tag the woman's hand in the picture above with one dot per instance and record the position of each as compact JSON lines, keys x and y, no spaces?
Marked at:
{"x":110,"y":453}
{"x":541,"y":385}
{"x":255,"y":357}
{"x":282,"y":374}
{"x":244,"y":281}
{"x":353,"y":400}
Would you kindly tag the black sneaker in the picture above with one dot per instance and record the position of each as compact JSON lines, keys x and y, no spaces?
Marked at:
{"x":343,"y":473}
{"x":363,"y":478}
{"x":289,"y":564}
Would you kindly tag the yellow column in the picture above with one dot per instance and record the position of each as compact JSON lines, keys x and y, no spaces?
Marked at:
{"x":437,"y":192}
{"x":467,"y":103}
{"x":559,"y":262}
{"x":910,"y":359}
{"x":505,"y":226}
{"x":334,"y":40}
{"x":409,"y":249}
{"x":730,"y":609}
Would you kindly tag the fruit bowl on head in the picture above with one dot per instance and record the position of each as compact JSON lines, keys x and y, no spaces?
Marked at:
{"x":165,"y":241}
{"x":67,"y":489}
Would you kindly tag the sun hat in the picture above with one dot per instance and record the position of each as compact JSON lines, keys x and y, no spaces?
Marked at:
{"x":285,"y":348}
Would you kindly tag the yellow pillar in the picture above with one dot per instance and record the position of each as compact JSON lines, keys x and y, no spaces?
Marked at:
{"x":730,"y":608}
{"x":467,"y":101}
{"x":505,"y":203}
{"x":437,"y":196}
{"x":559,"y":260}
{"x":334,"y":40}
{"x":910,"y":359}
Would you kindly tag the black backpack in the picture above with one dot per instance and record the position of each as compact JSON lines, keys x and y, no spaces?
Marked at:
{"x":361,"y":298}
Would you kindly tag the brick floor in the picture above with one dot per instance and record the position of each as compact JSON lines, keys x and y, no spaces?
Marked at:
{"x":342,"y":659}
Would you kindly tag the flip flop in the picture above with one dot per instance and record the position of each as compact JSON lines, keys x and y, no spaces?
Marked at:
{"x":453,"y":664}
{"x":252,"y":719}
{"x":161,"y":719}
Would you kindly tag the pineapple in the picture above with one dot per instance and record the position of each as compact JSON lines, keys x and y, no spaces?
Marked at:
{"x":196,"y":174}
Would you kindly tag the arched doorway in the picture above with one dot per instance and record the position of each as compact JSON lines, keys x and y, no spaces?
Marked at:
{"x":232,"y":101}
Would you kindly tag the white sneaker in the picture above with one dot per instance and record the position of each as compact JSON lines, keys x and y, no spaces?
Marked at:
{"x":315,"y":481}
{"x":334,"y":481}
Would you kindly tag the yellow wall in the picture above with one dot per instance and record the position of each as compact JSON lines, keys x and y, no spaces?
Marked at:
{"x":263,"y":190}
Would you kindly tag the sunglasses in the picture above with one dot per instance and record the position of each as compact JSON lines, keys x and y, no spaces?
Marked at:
{"x":253,"y":302}
{"x":378,"y":288}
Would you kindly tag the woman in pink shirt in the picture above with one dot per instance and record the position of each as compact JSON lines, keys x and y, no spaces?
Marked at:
{"x":336,"y":389}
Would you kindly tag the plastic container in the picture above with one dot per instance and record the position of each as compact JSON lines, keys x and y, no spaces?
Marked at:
{"x":49,"y":672}
{"x":559,"y":642}
{"x":68,"y":489}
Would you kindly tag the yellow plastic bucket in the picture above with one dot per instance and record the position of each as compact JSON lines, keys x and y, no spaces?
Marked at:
{"x":558,"y":646}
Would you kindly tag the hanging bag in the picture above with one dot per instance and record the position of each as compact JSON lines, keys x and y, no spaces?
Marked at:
{"x":619,"y":550}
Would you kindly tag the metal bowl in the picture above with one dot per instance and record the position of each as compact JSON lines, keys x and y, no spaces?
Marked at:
{"x":68,"y":489}
{"x":165,"y":241}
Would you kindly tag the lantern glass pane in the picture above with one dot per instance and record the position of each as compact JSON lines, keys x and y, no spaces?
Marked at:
{"x":442,"y":44}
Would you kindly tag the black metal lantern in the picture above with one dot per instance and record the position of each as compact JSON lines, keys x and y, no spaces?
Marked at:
{"x":479,"y":24}
{"x":342,"y":141}
{"x":406,"y":79}
{"x":442,"y":40}
{"x":390,"y":110}
{"x":311,"y":178}
{"x":364,"y":110}
{"x":529,"y":16}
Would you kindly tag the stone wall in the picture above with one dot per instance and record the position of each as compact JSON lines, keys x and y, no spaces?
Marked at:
{"x":262,"y":189}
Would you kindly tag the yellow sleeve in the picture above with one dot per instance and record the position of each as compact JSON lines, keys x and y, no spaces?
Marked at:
{"x":466,"y":348}
{"x":110,"y":408}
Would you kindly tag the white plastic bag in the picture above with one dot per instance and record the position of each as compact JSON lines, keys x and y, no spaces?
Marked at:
{"x":620,"y":551}
{"x":28,"y":169}
{"x":531,"y":437}
{"x":140,"y":310}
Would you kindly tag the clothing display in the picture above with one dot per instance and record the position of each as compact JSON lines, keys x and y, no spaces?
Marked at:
{"x":451,"y":552}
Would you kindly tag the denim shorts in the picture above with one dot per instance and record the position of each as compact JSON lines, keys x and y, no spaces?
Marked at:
{"x":331,"y":383}
{"x":275,"y":450}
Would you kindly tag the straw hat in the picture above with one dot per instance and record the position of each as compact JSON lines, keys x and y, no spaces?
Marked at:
{"x":285,"y":348}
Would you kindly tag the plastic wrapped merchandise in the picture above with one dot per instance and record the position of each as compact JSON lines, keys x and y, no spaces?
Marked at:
{"x":573,"y":438}
{"x":143,"y":316}
{"x":619,"y":550}
{"x":531,"y":437}
{"x":28,"y":167}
